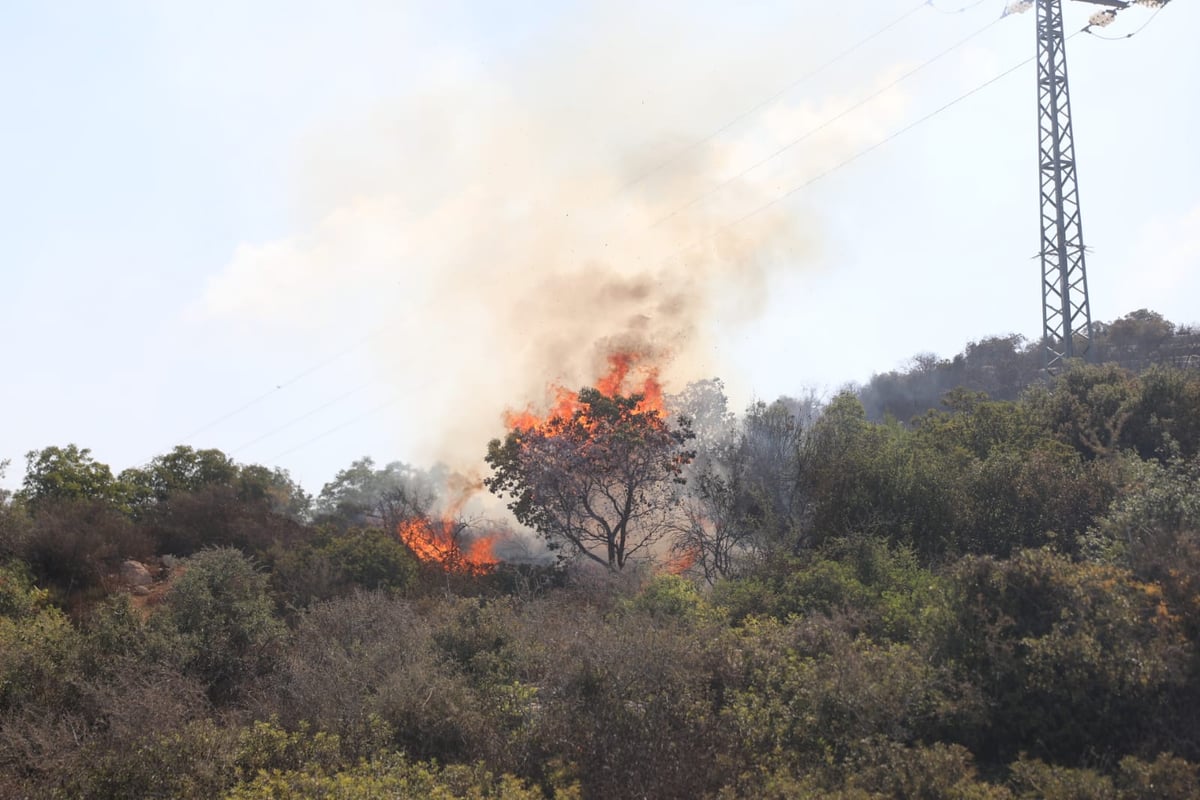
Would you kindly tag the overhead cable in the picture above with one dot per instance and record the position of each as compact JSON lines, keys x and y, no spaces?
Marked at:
{"x":769,"y":100}
{"x":813,"y":131}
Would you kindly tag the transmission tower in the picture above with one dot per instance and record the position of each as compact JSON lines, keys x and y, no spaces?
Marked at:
{"x":1066,"y":312}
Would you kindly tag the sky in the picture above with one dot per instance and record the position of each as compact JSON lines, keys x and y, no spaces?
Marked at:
{"x":305,"y":232}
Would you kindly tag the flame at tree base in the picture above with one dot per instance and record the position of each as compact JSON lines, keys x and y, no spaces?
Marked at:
{"x":436,"y":541}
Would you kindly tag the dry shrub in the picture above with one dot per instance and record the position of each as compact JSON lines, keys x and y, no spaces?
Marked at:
{"x":70,"y":544}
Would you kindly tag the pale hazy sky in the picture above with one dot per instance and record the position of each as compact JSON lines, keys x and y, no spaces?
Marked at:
{"x":384,"y":221}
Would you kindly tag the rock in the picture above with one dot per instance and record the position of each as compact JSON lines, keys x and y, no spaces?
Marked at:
{"x":170,"y":561}
{"x":135,"y":573}
{"x":140,"y":591}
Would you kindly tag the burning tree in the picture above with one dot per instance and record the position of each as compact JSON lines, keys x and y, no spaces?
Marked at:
{"x":601,"y":474}
{"x":441,"y":541}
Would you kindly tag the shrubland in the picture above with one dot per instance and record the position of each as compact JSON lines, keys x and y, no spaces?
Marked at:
{"x":996,"y":598}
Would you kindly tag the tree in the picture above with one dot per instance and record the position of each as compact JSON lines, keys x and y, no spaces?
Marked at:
{"x":707,"y":408}
{"x":747,"y":497}
{"x":68,"y":473}
{"x":1139,"y":333}
{"x":1088,"y":407}
{"x":14,"y":522}
{"x":275,"y":489}
{"x":363,"y":495}
{"x":602,"y":478}
{"x":184,"y":469}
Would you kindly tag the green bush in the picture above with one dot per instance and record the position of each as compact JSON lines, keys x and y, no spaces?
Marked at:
{"x":334,"y":564}
{"x":18,"y":596}
{"x":1073,"y":658}
{"x":392,"y":777}
{"x":220,"y":608}
{"x":1165,"y":778}
{"x":38,"y":654}
{"x":1036,"y":779}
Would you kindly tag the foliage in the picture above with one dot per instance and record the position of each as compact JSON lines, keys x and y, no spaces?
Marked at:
{"x":1071,"y":658}
{"x":1140,"y":332}
{"x":184,"y":469}
{"x":363,"y":495}
{"x":219,"y":516}
{"x":746,"y":497}
{"x":1088,"y":407}
{"x":802,"y":710}
{"x":220,"y":608}
{"x":1036,"y":779}
{"x":1004,"y":367}
{"x":73,"y":544}
{"x":68,"y":473}
{"x":671,"y":597}
{"x":878,"y":589}
{"x":1156,"y":508}
{"x":1165,"y":778}
{"x":38,"y":645}
{"x":274,"y":489}
{"x":602,"y":479}
{"x":388,"y":776}
{"x":1164,"y":416}
{"x":997,"y":598}
{"x":19,"y":598}
{"x":336,"y":563}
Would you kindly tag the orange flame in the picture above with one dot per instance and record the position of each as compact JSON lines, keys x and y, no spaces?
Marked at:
{"x":436,"y":541}
{"x":681,"y":562}
{"x":440,"y":541}
{"x":618,"y":380}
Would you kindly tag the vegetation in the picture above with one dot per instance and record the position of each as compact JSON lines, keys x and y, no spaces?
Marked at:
{"x":599,"y":478}
{"x":995,"y":598}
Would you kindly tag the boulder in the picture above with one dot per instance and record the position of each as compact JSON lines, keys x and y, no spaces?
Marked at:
{"x":134,"y":573}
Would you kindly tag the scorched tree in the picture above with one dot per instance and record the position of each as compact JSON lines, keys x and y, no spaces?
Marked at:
{"x":601,"y":477}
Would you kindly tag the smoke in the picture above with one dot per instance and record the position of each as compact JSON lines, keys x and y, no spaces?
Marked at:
{"x":509,"y":224}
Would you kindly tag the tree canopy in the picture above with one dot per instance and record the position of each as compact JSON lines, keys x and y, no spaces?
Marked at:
{"x":602,"y":479}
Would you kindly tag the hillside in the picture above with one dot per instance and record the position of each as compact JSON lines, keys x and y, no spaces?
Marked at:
{"x":963,"y":580}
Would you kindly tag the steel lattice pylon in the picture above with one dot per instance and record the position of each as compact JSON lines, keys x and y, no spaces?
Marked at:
{"x":1066,"y":313}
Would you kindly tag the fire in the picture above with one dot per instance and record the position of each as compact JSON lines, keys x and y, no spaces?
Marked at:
{"x":625,"y":376}
{"x":681,"y":562}
{"x":441,"y":540}
{"x":437,"y":541}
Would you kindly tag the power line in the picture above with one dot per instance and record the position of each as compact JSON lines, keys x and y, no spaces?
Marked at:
{"x":300,"y":418}
{"x":297,"y":377}
{"x":717,"y":132}
{"x":678,"y":155}
{"x":768,"y":101}
{"x":1143,"y":27}
{"x":960,"y":10}
{"x":738,"y":221}
{"x":813,"y":131}
{"x":896,"y":134}
{"x":278,"y":388}
{"x":336,"y":428}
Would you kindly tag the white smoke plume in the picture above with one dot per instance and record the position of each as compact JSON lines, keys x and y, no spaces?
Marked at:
{"x":510,"y":225}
